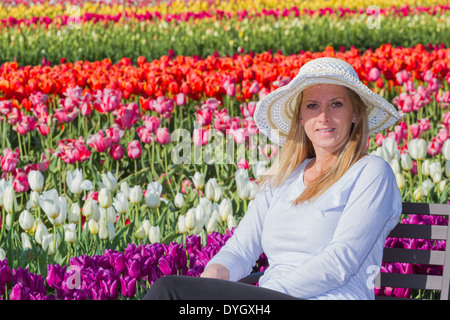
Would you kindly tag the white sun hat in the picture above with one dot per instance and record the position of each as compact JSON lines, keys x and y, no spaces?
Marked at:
{"x":273,"y":114}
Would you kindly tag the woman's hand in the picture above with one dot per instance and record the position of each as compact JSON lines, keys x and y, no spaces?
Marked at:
{"x":216,"y":271}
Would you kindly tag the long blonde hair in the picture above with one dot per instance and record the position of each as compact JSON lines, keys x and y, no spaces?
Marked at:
{"x":298,"y":148}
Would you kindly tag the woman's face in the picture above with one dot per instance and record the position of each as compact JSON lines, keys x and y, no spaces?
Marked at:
{"x":327,"y":114}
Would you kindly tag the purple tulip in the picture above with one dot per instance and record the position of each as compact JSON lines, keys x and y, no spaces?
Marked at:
{"x":55,"y":275}
{"x":127,"y":286}
{"x":20,"y":292}
{"x":5,"y":272}
{"x":165,"y":266}
{"x":134,"y":268}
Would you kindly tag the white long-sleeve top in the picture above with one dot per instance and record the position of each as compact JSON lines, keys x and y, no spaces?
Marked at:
{"x":327,"y":249}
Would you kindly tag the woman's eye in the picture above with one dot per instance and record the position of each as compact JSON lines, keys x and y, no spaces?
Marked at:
{"x":311,"y":106}
{"x":337,"y":104}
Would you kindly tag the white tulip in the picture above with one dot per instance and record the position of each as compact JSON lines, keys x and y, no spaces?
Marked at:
{"x":179,"y":200}
{"x":61,"y":218}
{"x":152,"y":199}
{"x":211,"y":226}
{"x":253,"y":189}
{"x":74,"y":213}
{"x":400,"y":180}
{"x":426,"y":167}
{"x":154,"y":234}
{"x":26,"y":220}
{"x":198,"y":180}
{"x":88,"y":207}
{"x":105,"y":198}
{"x":225,"y":208}
{"x":70,"y":233}
{"x":125,"y":188}
{"x":207,"y":206}
{"x":140,"y":233}
{"x":9,"y":199}
{"x":33,"y":202}
{"x":136,"y":195}
{"x":109,"y":181}
{"x":427,"y":185}
{"x":395,"y":165}
{"x":103,"y":231}
{"x":446,"y":149}
{"x":120,"y":202}
{"x":406,"y":161}
{"x":146,"y":224}
{"x":75,"y":182}
{"x":26,"y":243}
{"x":3,"y":185}
{"x":181,"y":224}
{"x":93,"y":226}
{"x":231,"y":222}
{"x":2,"y":254}
{"x":391,"y":146}
{"x":190,"y":219}
{"x":49,"y":243}
{"x":417,"y":149}
{"x":436,"y":171}
{"x":40,"y":233}
{"x":49,"y":202}
{"x":447,"y":168}
{"x":242,"y":185}
{"x":36,"y":180}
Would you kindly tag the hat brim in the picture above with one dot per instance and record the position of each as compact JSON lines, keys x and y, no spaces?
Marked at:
{"x":274,"y":113}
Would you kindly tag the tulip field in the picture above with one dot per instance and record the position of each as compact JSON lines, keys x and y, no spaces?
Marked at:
{"x":128,"y":147}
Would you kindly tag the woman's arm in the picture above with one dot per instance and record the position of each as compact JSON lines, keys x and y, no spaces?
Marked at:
{"x":217,"y":271}
{"x":241,"y":251}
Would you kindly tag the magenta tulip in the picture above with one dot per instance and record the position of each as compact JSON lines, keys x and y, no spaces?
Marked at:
{"x":163,"y":135}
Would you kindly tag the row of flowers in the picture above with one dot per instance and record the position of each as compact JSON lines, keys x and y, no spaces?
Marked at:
{"x":129,"y":273}
{"x":94,"y":37}
{"x":78,"y":16}
{"x":25,"y":8}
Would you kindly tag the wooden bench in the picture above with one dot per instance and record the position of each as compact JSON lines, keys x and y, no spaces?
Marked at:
{"x":439,"y":284}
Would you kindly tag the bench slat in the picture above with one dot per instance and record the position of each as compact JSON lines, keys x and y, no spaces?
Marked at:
{"x":426,"y":208}
{"x":413,"y":281}
{"x":419,"y":231}
{"x":416,"y":256}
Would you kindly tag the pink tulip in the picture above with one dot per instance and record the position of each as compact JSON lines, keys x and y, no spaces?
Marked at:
{"x":211,"y":103}
{"x":200,"y":136}
{"x":27,"y":124}
{"x":20,"y":182}
{"x":434,"y":147}
{"x":134,"y":149}
{"x":254,"y":88}
{"x":374,"y":74}
{"x":231,"y":90}
{"x":180,"y":99}
{"x":127,"y":116}
{"x":239,"y":135}
{"x":163,"y":135}
{"x":243,"y":164}
{"x":415,"y":130}
{"x":402,"y":76}
{"x":99,"y":141}
{"x":204,"y":116}
{"x":65,"y":116}
{"x":43,"y":129}
{"x":151,"y":122}
{"x":144,"y":134}
{"x":424,"y":125}
{"x":9,"y":160}
{"x":116,"y":151}
{"x":107,"y":100}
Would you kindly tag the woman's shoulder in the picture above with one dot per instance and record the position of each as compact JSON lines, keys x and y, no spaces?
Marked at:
{"x":372,"y":165}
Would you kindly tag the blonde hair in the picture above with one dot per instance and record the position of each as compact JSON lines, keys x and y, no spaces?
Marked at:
{"x":298,"y":148}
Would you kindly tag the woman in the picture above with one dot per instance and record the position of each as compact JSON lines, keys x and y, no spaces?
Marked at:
{"x":325,"y":207}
